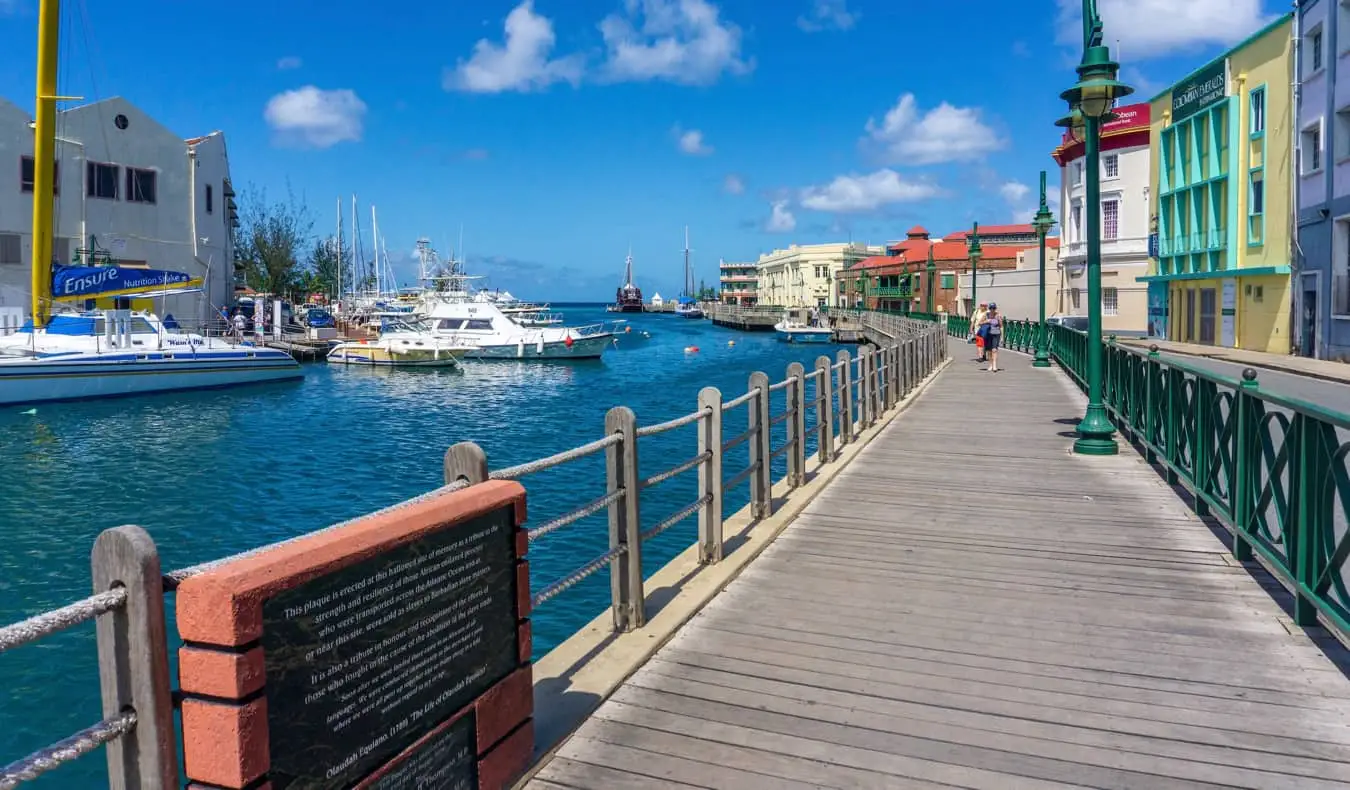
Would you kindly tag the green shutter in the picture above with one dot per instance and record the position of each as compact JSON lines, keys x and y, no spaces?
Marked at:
{"x":948,"y":280}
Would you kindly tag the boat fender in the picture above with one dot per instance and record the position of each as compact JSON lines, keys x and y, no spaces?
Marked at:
{"x":539,"y":346}
{"x":567,"y":341}
{"x":520,"y":348}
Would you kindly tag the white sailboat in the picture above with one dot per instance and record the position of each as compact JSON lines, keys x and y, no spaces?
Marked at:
{"x":105,"y":353}
{"x":687,"y":305}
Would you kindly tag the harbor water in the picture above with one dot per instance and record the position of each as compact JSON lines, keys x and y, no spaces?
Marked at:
{"x":209,"y":474}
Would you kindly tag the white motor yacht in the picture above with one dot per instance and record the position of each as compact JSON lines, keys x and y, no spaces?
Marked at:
{"x":492,"y":334}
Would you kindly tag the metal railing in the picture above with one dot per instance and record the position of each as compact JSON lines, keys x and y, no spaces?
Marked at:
{"x":1272,"y":470}
{"x":128,"y":603}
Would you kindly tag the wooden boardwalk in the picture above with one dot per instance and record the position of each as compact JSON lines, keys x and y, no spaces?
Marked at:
{"x":971,"y":605}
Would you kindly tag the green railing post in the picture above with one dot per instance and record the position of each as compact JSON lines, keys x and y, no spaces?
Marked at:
{"x":1312,"y":513}
{"x":1204,"y":443}
{"x":1246,"y":469}
{"x":1176,"y":406}
{"x":1152,"y":399}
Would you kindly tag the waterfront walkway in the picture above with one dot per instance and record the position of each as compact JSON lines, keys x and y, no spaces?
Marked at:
{"x":970,"y":605}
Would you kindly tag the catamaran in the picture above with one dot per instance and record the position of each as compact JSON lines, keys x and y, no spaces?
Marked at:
{"x":104,"y":353}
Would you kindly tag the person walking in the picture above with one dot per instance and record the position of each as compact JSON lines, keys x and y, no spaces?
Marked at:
{"x":993,"y":336}
{"x":977,"y":329}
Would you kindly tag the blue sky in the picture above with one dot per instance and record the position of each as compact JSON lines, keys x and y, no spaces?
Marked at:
{"x":560,"y":132}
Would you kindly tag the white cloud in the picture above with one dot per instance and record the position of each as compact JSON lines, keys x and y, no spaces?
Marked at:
{"x":733,"y":184}
{"x":286,"y":63}
{"x":314,"y":117}
{"x":681,"y":41}
{"x":1143,"y":86}
{"x":828,"y":15}
{"x":943,"y":134}
{"x":780,"y":218}
{"x":522,"y":63}
{"x":1154,"y":28}
{"x":691,"y":142}
{"x":1015,"y":192}
{"x":856,"y":194}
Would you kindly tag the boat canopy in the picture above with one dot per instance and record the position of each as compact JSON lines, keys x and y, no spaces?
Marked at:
{"x":84,"y":282}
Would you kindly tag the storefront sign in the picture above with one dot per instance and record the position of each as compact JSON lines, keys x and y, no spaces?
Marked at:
{"x":1206,"y":88}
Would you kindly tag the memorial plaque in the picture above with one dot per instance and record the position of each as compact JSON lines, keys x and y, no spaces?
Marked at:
{"x":364,"y":661}
{"x":446,"y":760}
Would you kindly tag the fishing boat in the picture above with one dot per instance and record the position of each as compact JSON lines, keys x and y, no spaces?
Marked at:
{"x":489,"y":333}
{"x":628,"y":299}
{"x":401,"y":344}
{"x":687,"y":306}
{"x":62,"y":353}
{"x":791,"y":330}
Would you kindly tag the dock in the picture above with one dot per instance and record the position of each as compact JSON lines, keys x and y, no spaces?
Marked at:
{"x":751,"y":319}
{"x":926,"y":589}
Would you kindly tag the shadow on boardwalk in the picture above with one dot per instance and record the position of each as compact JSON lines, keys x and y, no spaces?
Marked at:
{"x":971,"y":605}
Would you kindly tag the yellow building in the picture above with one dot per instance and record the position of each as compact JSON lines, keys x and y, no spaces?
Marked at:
{"x":1221,"y":146}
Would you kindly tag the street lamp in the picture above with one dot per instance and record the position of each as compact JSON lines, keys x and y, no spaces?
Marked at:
{"x":1090,"y":100}
{"x":928,"y":280}
{"x":974,"y":251}
{"x":1042,"y":222}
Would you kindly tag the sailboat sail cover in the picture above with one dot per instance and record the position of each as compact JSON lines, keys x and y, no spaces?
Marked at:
{"x":81,"y":282}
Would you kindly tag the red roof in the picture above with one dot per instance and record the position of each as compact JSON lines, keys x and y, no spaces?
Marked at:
{"x":994,"y":230}
{"x":914,"y":251}
{"x":918,"y":231}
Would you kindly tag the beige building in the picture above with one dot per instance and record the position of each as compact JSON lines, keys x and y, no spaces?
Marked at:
{"x":804,"y":275}
{"x":739,"y":283}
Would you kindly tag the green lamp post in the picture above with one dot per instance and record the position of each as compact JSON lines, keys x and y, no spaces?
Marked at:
{"x":974,"y":252}
{"x":1090,"y":101}
{"x":1042,"y":222}
{"x":930,"y":274}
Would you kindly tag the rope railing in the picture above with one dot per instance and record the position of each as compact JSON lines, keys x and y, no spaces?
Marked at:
{"x":127,"y":576}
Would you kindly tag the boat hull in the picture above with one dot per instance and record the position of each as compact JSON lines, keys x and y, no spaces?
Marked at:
{"x":804,"y":335}
{"x":45,"y":380}
{"x":371,"y":355}
{"x":588,"y":347}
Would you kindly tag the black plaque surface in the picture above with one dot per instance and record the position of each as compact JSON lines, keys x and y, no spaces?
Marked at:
{"x":446,"y":761}
{"x":364,"y":661}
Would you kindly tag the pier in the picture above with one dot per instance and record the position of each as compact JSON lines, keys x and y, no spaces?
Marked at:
{"x":752,"y":319}
{"x":935,"y":592}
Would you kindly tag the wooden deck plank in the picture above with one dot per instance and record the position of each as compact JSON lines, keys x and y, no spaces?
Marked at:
{"x":969,"y":604}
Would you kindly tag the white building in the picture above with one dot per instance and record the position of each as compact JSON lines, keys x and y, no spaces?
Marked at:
{"x":1016,"y":291}
{"x":127,"y":187}
{"x":1125,"y":223}
{"x":803,"y":275}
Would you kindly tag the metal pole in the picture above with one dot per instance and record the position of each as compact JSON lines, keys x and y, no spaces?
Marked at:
{"x":1095,"y":430}
{"x":1042,"y":222}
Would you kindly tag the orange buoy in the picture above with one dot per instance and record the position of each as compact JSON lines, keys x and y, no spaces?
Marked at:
{"x":691,"y":349}
{"x":567,"y":341}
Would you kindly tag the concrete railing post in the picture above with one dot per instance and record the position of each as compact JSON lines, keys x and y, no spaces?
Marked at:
{"x":864,"y":386}
{"x":845,"y":388}
{"x":625,"y":520}
{"x":466,"y":461}
{"x":824,"y":410}
{"x":710,"y":476}
{"x":133,"y":660}
{"x":761,"y":448}
{"x":895,"y":382}
{"x":796,"y":423}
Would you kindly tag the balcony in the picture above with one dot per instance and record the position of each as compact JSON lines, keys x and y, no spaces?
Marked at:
{"x":892,"y":291}
{"x":739,"y":278}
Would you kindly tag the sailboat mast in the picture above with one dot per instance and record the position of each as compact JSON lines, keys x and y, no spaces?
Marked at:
{"x":356,"y":249}
{"x":688,"y":275}
{"x":44,"y":157}
{"x":338,"y":243}
{"x":375,"y":247}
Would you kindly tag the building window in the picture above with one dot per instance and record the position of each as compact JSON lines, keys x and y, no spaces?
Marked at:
{"x":140,"y":185}
{"x":210,"y":200}
{"x":1258,"y":193}
{"x":1111,"y":166}
{"x":1340,"y":268}
{"x":1110,"y":301}
{"x":1310,"y":142}
{"x":1256,"y":207}
{"x":1077,"y":173}
{"x":1077,"y":215}
{"x":11,"y":249}
{"x":1075,"y":295}
{"x":28,"y":175}
{"x":1110,"y":219}
{"x":1258,"y":111}
{"x":948,"y":281}
{"x":1315,"y":45}
{"x":101,"y":180}
{"x":1342,"y":135}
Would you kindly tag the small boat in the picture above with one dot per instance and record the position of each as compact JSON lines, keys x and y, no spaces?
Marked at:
{"x":400,"y":345}
{"x":489,"y":333}
{"x":628,"y":299}
{"x":790,"y":330}
{"x":687,"y":307}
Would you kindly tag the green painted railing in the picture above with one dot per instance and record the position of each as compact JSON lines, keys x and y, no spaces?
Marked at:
{"x":1272,"y":470}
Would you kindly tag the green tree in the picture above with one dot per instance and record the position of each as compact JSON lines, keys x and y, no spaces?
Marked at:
{"x":321,"y":269}
{"x":272,"y":239}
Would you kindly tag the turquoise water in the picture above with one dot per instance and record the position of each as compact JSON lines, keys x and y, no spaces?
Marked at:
{"x":213,"y":473}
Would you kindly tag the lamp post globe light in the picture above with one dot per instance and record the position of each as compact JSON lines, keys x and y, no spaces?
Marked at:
{"x":1090,"y":101}
{"x":1042,"y":222}
{"x":974,"y":252}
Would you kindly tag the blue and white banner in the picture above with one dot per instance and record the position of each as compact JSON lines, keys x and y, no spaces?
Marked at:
{"x":73,"y":282}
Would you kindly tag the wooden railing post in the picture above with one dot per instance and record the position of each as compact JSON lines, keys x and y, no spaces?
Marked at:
{"x":864,"y":386}
{"x":845,"y":387}
{"x":133,"y":660}
{"x":710,"y":476}
{"x":761,"y":448}
{"x":796,"y":423}
{"x":824,"y":410}
{"x":625,"y":521}
{"x":466,"y":461}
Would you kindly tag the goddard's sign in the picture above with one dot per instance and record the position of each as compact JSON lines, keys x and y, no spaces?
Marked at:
{"x":392,"y":652}
{"x":1207,"y":87}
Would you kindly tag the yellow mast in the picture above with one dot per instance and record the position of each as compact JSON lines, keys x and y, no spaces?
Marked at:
{"x":44,"y":157}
